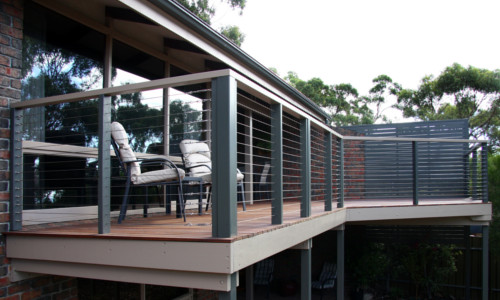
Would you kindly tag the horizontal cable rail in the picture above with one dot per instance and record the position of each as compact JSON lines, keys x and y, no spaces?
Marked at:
{"x":58,"y":138}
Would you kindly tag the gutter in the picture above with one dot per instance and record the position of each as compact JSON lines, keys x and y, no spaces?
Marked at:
{"x":187,"y":18}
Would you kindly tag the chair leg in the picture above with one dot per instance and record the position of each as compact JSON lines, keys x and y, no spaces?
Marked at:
{"x":208,"y":197}
{"x":181,"y":201}
{"x":200,"y":199}
{"x":242,"y":191}
{"x":123,"y":209}
{"x":168,"y":208}
{"x":145,"y":206}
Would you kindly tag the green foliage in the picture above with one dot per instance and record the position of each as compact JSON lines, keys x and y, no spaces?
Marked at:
{"x":458,"y":93}
{"x":234,"y":34}
{"x":370,"y":265}
{"x":204,"y":11}
{"x":341,"y":101}
{"x":494,"y":197}
{"x":383,"y":87}
{"x":428,"y":264}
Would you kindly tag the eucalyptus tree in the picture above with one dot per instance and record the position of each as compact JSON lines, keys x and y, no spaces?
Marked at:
{"x":458,"y":93}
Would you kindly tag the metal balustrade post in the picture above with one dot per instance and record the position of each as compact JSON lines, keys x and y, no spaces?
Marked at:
{"x":415,"y":171}
{"x":474,"y":174}
{"x":277,"y":163}
{"x":305,"y":162}
{"x":104,"y":161}
{"x":328,"y":172}
{"x":340,"y":203}
{"x":16,"y":170}
{"x":484,"y":171}
{"x":224,"y":160}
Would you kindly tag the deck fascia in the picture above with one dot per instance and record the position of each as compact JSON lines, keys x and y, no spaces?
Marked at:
{"x":207,"y":263}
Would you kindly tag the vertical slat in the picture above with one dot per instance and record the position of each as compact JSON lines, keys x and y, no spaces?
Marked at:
{"x":340,"y":263}
{"x":277,"y":163}
{"x":305,"y":156}
{"x":305,"y":273}
{"x":415,"y":172}
{"x":104,"y":207}
{"x":484,"y":171}
{"x":328,"y":171}
{"x":224,"y":157}
{"x":340,"y":204}
{"x":485,"y":262}
{"x":16,"y":170}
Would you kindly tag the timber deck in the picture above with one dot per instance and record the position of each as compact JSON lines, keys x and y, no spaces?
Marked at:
{"x":197,"y":228}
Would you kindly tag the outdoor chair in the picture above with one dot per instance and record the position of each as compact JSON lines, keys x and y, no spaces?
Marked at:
{"x":198,"y":164}
{"x":326,"y":279}
{"x":264,"y":270}
{"x":169,"y":174}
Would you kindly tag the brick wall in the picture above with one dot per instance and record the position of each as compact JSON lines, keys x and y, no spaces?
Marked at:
{"x":11,"y":35}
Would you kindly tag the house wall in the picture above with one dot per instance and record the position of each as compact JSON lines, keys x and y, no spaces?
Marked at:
{"x":11,"y":37}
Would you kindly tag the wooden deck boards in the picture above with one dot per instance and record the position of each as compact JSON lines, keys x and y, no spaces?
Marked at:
{"x":255,"y":220}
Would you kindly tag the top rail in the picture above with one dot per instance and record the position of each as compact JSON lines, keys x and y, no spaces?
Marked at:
{"x":407,"y":139}
{"x":124,"y":89}
{"x":207,"y":77}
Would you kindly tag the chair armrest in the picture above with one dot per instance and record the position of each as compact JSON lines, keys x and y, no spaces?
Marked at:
{"x":201,"y":165}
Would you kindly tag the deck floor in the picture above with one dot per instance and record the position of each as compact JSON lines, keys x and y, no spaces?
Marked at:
{"x":255,"y":220}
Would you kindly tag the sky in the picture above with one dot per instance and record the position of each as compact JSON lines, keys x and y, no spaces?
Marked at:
{"x":354,"y":41}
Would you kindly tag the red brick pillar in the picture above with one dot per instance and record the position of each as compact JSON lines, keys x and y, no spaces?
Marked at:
{"x":11,"y":40}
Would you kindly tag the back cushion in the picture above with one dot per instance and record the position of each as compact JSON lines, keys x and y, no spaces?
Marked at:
{"x":119,"y":134}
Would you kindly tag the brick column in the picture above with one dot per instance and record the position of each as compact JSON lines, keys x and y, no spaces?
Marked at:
{"x":11,"y":37}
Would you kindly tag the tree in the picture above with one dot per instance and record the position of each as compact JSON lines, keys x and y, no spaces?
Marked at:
{"x":494,"y":197}
{"x":234,"y":34}
{"x":205,"y":11}
{"x":458,"y":93}
{"x":383,"y":87}
{"x":341,"y":101}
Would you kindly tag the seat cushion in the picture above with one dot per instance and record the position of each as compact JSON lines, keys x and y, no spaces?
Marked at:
{"x":164,"y":175}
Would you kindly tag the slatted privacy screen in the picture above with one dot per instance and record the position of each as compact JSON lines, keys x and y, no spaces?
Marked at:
{"x":385,"y":169}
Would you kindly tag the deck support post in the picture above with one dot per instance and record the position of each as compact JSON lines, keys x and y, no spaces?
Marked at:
{"x":305,"y":272}
{"x":340,"y":263}
{"x":277,"y":163}
{"x":415,"y":171}
{"x":484,"y":171}
{"x":249,"y":286}
{"x":224,"y":161}
{"x":16,"y":170}
{"x":485,"y":262}
{"x":305,"y":162}
{"x":467,"y":261}
{"x":231,"y":294}
{"x":340,"y":202}
{"x":328,"y":171}
{"x":104,"y":161}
